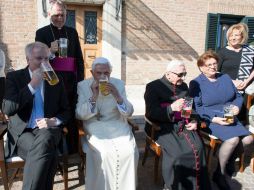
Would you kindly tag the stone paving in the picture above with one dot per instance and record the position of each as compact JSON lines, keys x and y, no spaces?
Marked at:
{"x":242,"y":181}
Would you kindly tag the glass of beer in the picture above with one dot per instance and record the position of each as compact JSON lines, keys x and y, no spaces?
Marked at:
{"x":228,"y":113}
{"x":187,"y":107}
{"x":49,"y":73}
{"x":63,"y":46}
{"x":102,"y":85}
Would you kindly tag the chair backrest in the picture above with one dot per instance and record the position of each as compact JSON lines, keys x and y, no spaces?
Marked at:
{"x":154,"y":146}
{"x":9,"y":163}
{"x":154,"y":127}
{"x":15,"y":163}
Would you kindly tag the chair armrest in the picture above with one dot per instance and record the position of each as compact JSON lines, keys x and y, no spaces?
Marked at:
{"x":134,"y":126}
{"x":203,"y":125}
{"x":155,"y":127}
{"x":3,"y":130}
{"x":249,"y":101}
{"x":81,"y":131}
{"x":65,"y":130}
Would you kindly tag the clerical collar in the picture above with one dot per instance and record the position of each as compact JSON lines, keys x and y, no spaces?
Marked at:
{"x":54,"y":27}
{"x":171,"y":86}
{"x":56,"y":33}
{"x":166,"y":81}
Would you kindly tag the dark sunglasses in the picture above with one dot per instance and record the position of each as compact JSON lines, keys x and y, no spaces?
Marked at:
{"x":180,"y":75}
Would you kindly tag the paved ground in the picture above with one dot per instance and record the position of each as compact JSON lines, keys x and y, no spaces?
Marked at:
{"x":242,"y":181}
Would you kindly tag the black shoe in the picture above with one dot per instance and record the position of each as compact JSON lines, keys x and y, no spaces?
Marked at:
{"x":221,"y":181}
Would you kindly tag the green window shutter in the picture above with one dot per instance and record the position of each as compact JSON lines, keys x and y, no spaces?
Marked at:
{"x":212,"y":31}
{"x":250,"y":22}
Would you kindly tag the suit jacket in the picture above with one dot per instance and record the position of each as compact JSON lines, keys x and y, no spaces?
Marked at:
{"x":18,"y":104}
{"x":46,"y":36}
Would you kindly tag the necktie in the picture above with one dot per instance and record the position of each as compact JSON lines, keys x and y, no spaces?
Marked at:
{"x":38,"y":108}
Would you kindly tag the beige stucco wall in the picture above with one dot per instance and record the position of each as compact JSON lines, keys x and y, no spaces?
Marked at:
{"x":111,"y":36}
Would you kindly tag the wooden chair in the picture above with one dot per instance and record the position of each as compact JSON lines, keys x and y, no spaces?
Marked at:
{"x":16,"y":163}
{"x":154,"y":147}
{"x":248,"y":105}
{"x":252,"y":164}
{"x":81,"y":134}
{"x":3,"y":118}
{"x":214,"y":142}
{"x":212,"y":146}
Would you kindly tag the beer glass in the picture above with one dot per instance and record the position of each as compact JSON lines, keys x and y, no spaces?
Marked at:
{"x":49,"y":73}
{"x":102,"y":85}
{"x":228,"y":113}
{"x":63,"y":45}
{"x":187,"y":107}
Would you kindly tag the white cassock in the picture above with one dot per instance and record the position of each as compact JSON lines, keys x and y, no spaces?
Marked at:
{"x":110,"y":147}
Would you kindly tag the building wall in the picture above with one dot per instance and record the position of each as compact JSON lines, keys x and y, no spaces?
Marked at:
{"x":139,"y":44}
{"x":18,"y":21}
{"x":155,"y":32}
{"x":111,"y":36}
{"x":43,"y":18}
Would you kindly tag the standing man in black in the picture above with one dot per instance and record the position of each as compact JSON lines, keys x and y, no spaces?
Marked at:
{"x":70,"y":68}
{"x":36,"y":111}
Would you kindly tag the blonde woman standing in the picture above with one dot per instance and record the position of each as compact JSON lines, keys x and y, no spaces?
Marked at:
{"x":236,"y":60}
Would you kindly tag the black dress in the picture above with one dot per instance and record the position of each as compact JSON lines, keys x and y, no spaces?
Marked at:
{"x":183,"y":162}
{"x":229,"y":63}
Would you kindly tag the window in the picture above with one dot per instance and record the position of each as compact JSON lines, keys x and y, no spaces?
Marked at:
{"x":70,"y":19}
{"x":90,"y":27}
{"x":217,"y":26}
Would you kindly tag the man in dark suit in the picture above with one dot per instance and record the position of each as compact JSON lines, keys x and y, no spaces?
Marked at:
{"x":36,"y":111}
{"x":70,"y":68}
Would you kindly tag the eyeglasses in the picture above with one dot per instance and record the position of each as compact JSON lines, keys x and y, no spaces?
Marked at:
{"x":59,"y":15}
{"x":180,"y":75}
{"x":41,"y":58}
{"x":212,"y":65}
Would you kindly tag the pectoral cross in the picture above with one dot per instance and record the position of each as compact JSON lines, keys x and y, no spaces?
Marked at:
{"x":98,"y":116}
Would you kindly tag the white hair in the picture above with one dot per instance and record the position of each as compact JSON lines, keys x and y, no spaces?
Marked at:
{"x":173,"y":64}
{"x":59,"y":3}
{"x":101,"y":61}
{"x":29,"y":48}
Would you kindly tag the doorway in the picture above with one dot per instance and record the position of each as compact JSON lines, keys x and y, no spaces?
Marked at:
{"x":87,"y":20}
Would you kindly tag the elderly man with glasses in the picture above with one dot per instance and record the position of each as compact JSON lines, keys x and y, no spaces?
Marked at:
{"x":183,"y":162}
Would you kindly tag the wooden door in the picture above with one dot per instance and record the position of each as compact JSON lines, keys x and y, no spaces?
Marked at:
{"x":88,"y":22}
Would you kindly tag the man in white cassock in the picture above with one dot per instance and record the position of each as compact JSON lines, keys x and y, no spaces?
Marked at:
{"x":110,"y":147}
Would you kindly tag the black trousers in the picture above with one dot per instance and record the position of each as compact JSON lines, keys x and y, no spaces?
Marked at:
{"x":39,"y":149}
